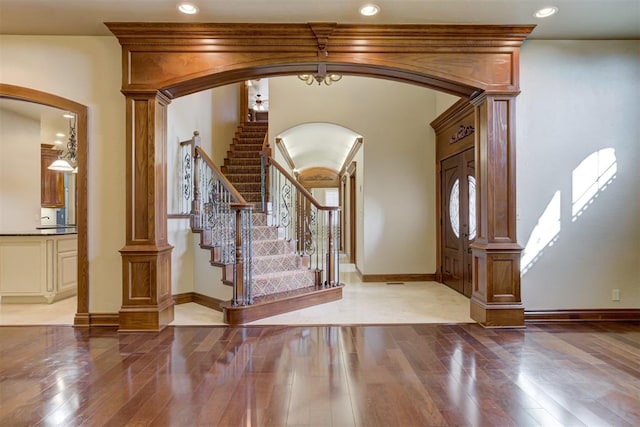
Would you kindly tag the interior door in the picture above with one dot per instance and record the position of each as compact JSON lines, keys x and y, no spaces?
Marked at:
{"x":458,"y":220}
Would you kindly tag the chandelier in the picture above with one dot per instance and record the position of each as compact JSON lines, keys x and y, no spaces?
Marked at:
{"x":66,"y":161}
{"x":259,"y":104}
{"x":327,"y":79}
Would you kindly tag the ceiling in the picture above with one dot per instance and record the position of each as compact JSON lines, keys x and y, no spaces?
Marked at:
{"x":51,"y":119}
{"x":318,"y":145}
{"x":576,"y":19}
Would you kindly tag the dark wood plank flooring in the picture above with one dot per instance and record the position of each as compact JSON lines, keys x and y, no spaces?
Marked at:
{"x":409,"y":375}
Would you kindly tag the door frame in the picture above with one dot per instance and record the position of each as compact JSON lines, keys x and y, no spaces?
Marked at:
{"x":20,"y":93}
{"x":455,"y":133}
{"x":353,"y":212}
{"x":162,"y":61}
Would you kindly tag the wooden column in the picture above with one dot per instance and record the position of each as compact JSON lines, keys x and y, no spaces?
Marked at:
{"x":244,"y":102}
{"x":496,"y":254}
{"x":146,"y":259}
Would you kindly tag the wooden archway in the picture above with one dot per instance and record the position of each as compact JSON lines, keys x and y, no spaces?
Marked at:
{"x":164,"y":61}
{"x":82,"y":316}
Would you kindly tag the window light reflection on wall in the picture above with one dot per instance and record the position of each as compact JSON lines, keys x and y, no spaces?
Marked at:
{"x":590,"y":178}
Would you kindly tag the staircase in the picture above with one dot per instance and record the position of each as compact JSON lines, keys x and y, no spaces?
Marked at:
{"x":282,"y":278}
{"x":242,"y":165}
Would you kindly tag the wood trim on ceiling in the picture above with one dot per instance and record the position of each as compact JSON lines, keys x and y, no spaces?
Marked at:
{"x":458,"y":59}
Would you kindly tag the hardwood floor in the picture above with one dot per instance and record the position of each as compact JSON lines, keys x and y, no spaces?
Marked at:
{"x":407,"y":375}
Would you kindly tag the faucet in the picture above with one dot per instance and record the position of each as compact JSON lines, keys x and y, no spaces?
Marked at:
{"x":44,"y":217}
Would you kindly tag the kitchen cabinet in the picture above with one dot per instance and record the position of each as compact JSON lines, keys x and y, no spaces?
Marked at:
{"x":51,"y":182}
{"x":39,"y":266}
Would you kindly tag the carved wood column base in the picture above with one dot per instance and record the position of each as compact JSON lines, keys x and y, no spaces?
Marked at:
{"x":496,"y":298}
{"x":146,"y":319}
{"x":497,"y":315}
{"x":147,"y":304}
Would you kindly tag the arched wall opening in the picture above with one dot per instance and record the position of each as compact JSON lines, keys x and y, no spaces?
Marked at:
{"x":81,"y":111}
{"x":164,"y":61}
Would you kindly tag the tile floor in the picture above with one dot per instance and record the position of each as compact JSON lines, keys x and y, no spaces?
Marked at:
{"x":362,"y":303}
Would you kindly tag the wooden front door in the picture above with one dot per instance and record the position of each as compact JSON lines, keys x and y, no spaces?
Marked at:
{"x":458,"y":218}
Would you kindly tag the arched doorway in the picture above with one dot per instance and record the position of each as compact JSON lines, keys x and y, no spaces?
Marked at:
{"x":165,"y":61}
{"x":80,"y":111}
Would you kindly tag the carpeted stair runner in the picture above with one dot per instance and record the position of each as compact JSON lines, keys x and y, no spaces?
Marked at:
{"x":275,"y":266}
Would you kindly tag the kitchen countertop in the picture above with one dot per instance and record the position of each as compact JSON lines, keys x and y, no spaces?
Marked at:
{"x":42,"y":232}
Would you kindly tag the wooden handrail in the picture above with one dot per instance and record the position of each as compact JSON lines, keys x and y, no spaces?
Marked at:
{"x":266,"y":148}
{"x":285,"y":153}
{"x":299,"y":186}
{"x":225,"y":182}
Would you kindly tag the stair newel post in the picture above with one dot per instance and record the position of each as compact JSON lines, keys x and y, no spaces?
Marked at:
{"x":248,"y":255}
{"x":264,"y":181}
{"x":196,"y":219}
{"x":238,"y":269}
{"x":242,"y":294}
{"x":265,"y":154}
{"x":300,"y":223}
{"x":330,"y":248}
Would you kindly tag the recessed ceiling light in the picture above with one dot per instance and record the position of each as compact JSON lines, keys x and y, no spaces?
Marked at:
{"x":57,"y":142}
{"x":369,"y":10}
{"x":60,"y":135}
{"x":188,"y":8}
{"x":546,"y":12}
{"x":68,"y":116}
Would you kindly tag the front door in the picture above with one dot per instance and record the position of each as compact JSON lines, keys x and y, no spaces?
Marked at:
{"x":458,"y":219}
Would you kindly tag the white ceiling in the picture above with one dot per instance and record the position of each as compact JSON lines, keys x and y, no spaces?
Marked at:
{"x":51,"y":119}
{"x":318,"y":145}
{"x":576,"y":19}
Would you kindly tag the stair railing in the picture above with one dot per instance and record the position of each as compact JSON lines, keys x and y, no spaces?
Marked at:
{"x":265,"y":154}
{"x":223,"y":217}
{"x":301,"y":218}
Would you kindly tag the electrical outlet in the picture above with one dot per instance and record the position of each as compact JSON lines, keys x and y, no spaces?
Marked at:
{"x":615,"y":294}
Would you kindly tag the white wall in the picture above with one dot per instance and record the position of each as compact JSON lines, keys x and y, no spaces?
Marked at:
{"x":398,"y":224}
{"x":579,"y":97}
{"x":184,"y":116}
{"x":444,"y":101}
{"x":224,"y":120}
{"x":86,"y":70}
{"x":19,"y":172}
{"x":205,"y":112}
